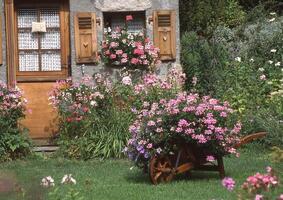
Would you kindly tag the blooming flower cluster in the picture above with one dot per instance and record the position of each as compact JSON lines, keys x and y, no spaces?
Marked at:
{"x":68,"y":179}
{"x":12,"y":103}
{"x":261,"y":182}
{"x":49,"y":181}
{"x":75,"y":101}
{"x":187,"y":118}
{"x":228,"y":183}
{"x":122,"y":48}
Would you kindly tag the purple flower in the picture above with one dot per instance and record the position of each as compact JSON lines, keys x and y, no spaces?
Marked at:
{"x":228,"y":183}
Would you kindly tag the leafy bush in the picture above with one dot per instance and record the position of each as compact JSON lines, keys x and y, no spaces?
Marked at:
{"x":96,"y":113}
{"x":203,"y":16}
{"x":246,"y":71}
{"x":13,"y":142}
{"x":200,"y":58}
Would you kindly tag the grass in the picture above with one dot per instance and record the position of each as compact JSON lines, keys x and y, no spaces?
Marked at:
{"x":113,"y":179}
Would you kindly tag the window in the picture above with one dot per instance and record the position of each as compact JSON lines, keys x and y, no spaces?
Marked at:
{"x":39,"y":52}
{"x":117,"y":19}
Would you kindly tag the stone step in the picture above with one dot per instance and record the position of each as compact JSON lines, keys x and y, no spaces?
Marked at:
{"x":45,"y":148}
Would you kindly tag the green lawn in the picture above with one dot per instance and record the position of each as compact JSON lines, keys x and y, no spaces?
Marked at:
{"x":113,"y":179}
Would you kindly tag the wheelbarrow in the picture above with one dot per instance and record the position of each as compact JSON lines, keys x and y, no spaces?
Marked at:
{"x":163,"y":168}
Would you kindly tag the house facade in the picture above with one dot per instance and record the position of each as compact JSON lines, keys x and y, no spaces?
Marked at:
{"x":43,"y":41}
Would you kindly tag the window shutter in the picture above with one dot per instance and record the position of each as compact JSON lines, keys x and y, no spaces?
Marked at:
{"x":164,"y":22}
{"x":1,"y":50}
{"x":85,"y":38}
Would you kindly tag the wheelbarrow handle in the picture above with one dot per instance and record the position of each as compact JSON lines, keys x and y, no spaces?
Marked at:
{"x":250,"y":138}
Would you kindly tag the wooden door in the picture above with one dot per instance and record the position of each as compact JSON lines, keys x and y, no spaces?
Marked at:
{"x":40,"y":58}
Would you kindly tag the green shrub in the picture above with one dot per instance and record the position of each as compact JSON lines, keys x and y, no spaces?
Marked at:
{"x":95,"y":114}
{"x":200,"y":58}
{"x":14,"y":142}
{"x":203,"y":16}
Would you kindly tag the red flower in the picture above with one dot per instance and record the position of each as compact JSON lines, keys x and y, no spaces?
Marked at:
{"x":129,"y":18}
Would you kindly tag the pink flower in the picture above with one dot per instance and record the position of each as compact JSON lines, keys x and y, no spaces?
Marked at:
{"x":129,"y":18}
{"x":124,"y":60}
{"x":228,"y":183}
{"x":210,"y":158}
{"x":258,"y":197}
{"x":134,"y":61}
{"x":119,"y":52}
{"x":113,"y":56}
{"x":183,"y":123}
{"x":280,"y":197}
{"x":139,"y":51}
{"x":262,"y":77}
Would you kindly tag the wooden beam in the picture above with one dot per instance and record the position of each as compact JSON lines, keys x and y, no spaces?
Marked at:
{"x":10,"y":42}
{"x":1,"y":50}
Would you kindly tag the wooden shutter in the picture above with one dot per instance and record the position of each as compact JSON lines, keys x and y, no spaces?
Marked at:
{"x":85,"y":37}
{"x":165,"y":33}
{"x":1,"y":50}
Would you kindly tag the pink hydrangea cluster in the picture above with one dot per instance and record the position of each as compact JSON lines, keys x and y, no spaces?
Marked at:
{"x":188,"y":118}
{"x":122,"y":48}
{"x":228,"y":183}
{"x":75,"y":101}
{"x":11,"y":101}
{"x":261,"y":182}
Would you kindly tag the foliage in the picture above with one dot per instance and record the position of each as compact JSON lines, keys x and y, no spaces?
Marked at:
{"x":200,"y":59}
{"x":13,"y":143}
{"x":276,"y":154}
{"x":246,"y":71}
{"x":122,"y":48}
{"x":163,"y":126}
{"x":96,"y":113}
{"x":205,"y":15}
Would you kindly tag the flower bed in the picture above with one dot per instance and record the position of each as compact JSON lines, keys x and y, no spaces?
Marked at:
{"x":161,"y":127}
{"x":12,"y":107}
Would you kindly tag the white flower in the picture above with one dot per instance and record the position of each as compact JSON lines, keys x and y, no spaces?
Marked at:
{"x":93,"y":103}
{"x":238,"y":59}
{"x":109,"y":30}
{"x":270,"y":61}
{"x":272,"y":13}
{"x":252,"y":60}
{"x":271,"y":20}
{"x":277,"y":64}
{"x":261,"y":69}
{"x":47,"y":182}
{"x":273,"y":50}
{"x":262,"y":77}
{"x":68,"y":179}
{"x":127,"y":80}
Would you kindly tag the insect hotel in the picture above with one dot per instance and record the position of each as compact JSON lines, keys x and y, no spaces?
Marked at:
{"x":45,"y":41}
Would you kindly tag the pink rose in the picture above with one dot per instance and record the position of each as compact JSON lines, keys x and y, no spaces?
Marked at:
{"x":113,"y":56}
{"x":129,"y":18}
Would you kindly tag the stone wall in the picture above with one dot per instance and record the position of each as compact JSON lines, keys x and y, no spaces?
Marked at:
{"x":100,"y":6}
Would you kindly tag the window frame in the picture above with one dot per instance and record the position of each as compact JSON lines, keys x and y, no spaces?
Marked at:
{"x":62,"y":5}
{"x":107,"y":16}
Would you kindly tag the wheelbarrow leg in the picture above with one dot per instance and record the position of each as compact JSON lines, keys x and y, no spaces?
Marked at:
{"x":220,"y":166}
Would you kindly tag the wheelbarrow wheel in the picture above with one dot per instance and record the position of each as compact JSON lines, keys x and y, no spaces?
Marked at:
{"x":160,"y":170}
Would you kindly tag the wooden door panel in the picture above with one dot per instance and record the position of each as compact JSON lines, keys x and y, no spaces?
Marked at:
{"x":42,"y":120}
